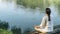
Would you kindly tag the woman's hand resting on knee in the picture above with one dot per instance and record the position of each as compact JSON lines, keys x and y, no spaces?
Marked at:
{"x":37,"y":27}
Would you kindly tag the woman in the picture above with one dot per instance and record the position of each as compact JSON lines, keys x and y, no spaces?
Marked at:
{"x":46,"y":24}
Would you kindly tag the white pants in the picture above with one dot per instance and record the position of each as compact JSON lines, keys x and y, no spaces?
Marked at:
{"x":40,"y":30}
{"x":43,"y":30}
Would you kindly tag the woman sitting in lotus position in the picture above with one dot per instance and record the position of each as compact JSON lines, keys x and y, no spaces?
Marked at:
{"x":46,"y":24}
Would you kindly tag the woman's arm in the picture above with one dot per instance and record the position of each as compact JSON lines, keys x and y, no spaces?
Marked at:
{"x":43,"y":22}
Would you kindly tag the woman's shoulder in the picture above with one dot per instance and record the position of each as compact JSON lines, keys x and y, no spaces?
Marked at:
{"x":45,"y":17}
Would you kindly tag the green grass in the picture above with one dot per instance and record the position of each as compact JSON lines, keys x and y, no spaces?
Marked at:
{"x":5,"y":32}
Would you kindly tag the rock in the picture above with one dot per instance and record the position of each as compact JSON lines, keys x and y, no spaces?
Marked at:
{"x":57,"y":26}
{"x":56,"y":29}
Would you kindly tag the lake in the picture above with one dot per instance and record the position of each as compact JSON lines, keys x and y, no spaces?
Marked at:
{"x":18,"y":15}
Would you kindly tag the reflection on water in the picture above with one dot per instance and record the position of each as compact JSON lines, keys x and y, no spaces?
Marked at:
{"x":26,"y":17}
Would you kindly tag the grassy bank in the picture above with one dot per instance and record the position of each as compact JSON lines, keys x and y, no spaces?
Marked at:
{"x":2,"y":31}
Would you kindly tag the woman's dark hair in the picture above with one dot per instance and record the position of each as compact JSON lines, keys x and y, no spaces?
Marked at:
{"x":48,"y":11}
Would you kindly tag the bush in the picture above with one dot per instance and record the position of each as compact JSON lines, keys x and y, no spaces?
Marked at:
{"x":16,"y":30}
{"x":4,"y":25}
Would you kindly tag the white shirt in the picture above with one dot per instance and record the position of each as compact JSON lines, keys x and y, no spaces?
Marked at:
{"x":46,"y":26}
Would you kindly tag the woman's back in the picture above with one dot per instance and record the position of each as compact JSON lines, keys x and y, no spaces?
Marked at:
{"x":49,"y":24}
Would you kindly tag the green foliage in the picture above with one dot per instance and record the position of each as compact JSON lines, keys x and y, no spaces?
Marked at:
{"x":2,"y":31}
{"x":32,"y":3}
{"x":42,"y":4}
{"x":4,"y":28}
{"x":4,"y":25}
{"x":16,"y":30}
{"x":57,"y":4}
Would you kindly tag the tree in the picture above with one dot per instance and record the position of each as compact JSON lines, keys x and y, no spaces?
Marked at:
{"x":4,"y":25}
{"x":16,"y":30}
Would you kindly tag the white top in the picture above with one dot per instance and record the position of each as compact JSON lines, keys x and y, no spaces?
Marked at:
{"x":46,"y":26}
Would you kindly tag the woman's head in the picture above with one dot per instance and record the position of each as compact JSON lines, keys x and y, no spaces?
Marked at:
{"x":48,"y":12}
